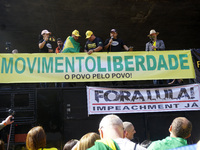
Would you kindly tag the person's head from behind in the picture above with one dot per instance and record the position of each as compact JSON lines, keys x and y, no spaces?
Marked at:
{"x":2,"y":145}
{"x":129,"y":130}
{"x":111,"y":126}
{"x":14,"y":51}
{"x":181,"y":127}
{"x":36,"y":138}
{"x":88,"y":140}
{"x":70,"y":144}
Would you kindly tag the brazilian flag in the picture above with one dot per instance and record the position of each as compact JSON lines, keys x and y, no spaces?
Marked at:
{"x":105,"y":144}
{"x":71,"y":46}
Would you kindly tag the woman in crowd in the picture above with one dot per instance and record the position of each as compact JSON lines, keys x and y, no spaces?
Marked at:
{"x":70,"y":144}
{"x":87,"y":141}
{"x":36,"y":139}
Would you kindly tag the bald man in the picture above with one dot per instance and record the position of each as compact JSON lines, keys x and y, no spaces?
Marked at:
{"x":129,"y":130}
{"x":180,"y":130}
{"x":112,"y":135}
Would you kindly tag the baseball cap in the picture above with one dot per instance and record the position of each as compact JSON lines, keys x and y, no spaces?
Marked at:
{"x":76,"y":33}
{"x":88,"y":34}
{"x":45,"y":32}
{"x":113,"y":30}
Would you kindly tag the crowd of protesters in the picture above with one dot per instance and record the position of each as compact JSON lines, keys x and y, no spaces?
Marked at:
{"x":113,"y":134}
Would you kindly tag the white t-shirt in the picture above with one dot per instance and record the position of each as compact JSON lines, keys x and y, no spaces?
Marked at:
{"x":126,"y":144}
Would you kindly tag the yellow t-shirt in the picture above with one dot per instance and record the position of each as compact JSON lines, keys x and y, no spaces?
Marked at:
{"x":53,"y":148}
{"x":154,"y":44}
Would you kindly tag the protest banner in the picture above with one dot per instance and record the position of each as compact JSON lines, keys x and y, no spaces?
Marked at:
{"x":114,"y":100}
{"x":101,"y":66}
{"x":196,"y":61}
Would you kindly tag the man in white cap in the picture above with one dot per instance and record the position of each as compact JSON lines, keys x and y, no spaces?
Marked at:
{"x":112,"y":135}
{"x":93,"y":44}
{"x":44,"y":44}
{"x":154,"y":44}
{"x":71,"y":45}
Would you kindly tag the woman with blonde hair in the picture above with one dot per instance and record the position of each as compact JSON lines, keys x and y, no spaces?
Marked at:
{"x":36,"y":139}
{"x":87,"y":141}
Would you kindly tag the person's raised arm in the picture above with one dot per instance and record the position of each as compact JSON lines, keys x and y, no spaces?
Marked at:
{"x":41,"y":45}
{"x":6,"y":122}
{"x":109,"y":44}
{"x":126,"y":47}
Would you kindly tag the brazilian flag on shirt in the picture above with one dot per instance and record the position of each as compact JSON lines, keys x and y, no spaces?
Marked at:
{"x":71,"y":46}
{"x":105,"y":144}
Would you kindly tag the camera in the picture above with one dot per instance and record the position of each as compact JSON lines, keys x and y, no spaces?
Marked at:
{"x":11,"y":112}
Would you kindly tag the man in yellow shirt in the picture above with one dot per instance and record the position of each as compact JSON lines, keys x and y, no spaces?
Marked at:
{"x":154,"y":44}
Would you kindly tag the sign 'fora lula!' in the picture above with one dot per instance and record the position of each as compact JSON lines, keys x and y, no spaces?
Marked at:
{"x":115,"y":100}
{"x":81,"y":67}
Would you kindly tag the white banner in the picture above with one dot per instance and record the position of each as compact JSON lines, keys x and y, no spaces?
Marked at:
{"x":114,"y":100}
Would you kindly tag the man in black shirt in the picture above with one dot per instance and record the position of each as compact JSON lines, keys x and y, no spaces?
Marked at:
{"x":44,"y":44}
{"x":45,"y":47}
{"x":114,"y":44}
{"x":93,"y":44}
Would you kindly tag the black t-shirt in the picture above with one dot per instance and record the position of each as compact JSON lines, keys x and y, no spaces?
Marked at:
{"x":46,"y":47}
{"x":94,"y":44}
{"x":116,"y":46}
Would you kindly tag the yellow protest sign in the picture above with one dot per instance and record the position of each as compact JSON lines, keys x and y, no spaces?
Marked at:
{"x":101,"y":66}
